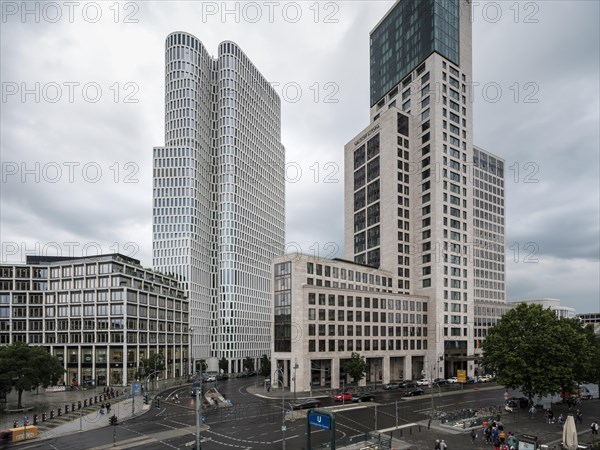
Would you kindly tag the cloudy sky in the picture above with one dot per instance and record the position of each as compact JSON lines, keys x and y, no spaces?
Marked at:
{"x":82,"y":107}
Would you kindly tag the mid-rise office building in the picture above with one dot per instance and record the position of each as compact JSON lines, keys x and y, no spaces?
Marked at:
{"x":100,"y":315}
{"x":219,"y":188}
{"x":327,"y":309}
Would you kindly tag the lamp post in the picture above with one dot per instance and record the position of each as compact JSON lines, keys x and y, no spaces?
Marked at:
{"x":192,"y":368}
{"x":294,"y":378}
{"x":280,"y":371}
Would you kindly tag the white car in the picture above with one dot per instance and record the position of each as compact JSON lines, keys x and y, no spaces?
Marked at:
{"x":452,"y":380}
{"x":423,"y":382}
{"x":485,"y":379}
{"x":211,"y":378}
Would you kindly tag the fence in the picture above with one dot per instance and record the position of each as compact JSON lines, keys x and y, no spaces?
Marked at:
{"x":371,"y":439}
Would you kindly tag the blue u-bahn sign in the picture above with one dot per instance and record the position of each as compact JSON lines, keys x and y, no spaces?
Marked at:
{"x":321,"y":419}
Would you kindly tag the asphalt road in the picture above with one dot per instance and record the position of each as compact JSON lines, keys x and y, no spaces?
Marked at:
{"x":254,"y":423}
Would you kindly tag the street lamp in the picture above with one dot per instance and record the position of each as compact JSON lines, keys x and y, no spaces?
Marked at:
{"x":294,"y":378}
{"x":192,"y":366}
{"x":280,"y":371}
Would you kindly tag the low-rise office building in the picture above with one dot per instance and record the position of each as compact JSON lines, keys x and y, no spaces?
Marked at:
{"x":100,"y":315}
{"x":326,"y":309}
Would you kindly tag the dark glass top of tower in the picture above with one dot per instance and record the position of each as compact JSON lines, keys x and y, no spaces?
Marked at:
{"x":411,"y":31}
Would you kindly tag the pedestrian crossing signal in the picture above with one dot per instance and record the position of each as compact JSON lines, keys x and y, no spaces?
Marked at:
{"x":157,"y":402}
{"x":145,"y":399}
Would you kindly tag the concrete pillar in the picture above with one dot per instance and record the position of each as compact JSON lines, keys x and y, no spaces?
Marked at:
{"x":286,"y":373}
{"x":408,"y":367}
{"x":335,"y":372}
{"x":386,"y":369}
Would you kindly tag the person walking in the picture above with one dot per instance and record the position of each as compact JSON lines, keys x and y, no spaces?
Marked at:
{"x":436,"y":445}
{"x":107,"y":407}
{"x":579,"y":416}
{"x":594,"y":426}
{"x":473,"y":436}
{"x":532,"y":411}
{"x":443,"y":445}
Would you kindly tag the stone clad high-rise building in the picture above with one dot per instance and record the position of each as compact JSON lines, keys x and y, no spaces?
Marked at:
{"x":409,"y":177}
{"x":218,"y":195}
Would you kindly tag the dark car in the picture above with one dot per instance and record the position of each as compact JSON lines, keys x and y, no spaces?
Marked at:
{"x":391,"y":386}
{"x":517,"y":402}
{"x":470,"y":380}
{"x":306,"y":403}
{"x":439,"y":381}
{"x":195,"y":386}
{"x":408,"y":384}
{"x":413,"y":393}
{"x":359,"y":398}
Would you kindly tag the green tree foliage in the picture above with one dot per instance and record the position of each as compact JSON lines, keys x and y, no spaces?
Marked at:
{"x":148,"y":367}
{"x":201,"y":365}
{"x":530,"y":349}
{"x":265,"y":366}
{"x":248,"y":363}
{"x":223,"y":365}
{"x":356,"y":366}
{"x":24,"y":368}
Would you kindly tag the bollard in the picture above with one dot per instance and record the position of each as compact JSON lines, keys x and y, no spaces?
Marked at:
{"x":90,"y":403}
{"x":419,"y":428}
{"x":95,"y":399}
{"x":52,"y":414}
{"x":73,"y":407}
{"x":59,"y":411}
{"x":84,"y":402}
{"x":78,"y":405}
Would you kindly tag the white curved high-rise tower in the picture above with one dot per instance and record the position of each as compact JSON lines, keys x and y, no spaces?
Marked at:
{"x":219,"y":195}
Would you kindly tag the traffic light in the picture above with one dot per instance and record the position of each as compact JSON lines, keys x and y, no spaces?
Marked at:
{"x":113,"y":420}
{"x":146,"y":399}
{"x":157,"y":402}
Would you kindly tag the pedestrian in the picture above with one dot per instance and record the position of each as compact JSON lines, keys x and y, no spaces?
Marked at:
{"x":107,"y":407}
{"x":550,"y":417}
{"x":594,"y":426}
{"x":437,"y":445}
{"x":532,"y":411}
{"x":102,"y":409}
{"x":473,"y":436}
{"x":512,"y":441}
{"x":443,"y":445}
{"x":561,"y":419}
{"x":502,"y":436}
{"x":579,"y":416}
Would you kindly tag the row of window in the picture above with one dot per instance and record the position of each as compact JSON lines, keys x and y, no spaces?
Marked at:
{"x":349,"y":345}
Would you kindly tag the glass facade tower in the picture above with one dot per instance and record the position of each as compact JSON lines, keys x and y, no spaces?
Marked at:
{"x":407,"y":36}
{"x":219,"y":193}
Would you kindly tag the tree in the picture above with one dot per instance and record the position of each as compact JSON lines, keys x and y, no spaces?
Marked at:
{"x":530,"y":349}
{"x":356,"y":366}
{"x":223,"y":364}
{"x":148,"y":367}
{"x":25,"y":368}
{"x":248,"y":363}
{"x":265,"y":366}
{"x":201,"y":365}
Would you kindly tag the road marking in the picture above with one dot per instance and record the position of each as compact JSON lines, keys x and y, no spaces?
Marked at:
{"x":397,"y":428}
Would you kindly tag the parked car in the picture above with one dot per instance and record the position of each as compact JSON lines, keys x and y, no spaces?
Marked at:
{"x":391,"y":386}
{"x":452,"y":380}
{"x":485,"y":379}
{"x":423,"y":382}
{"x":342,"y":396}
{"x":470,"y":380}
{"x":306,"y":403}
{"x":408,"y":384}
{"x":439,"y":381}
{"x":359,"y":398}
{"x":210,"y":379}
{"x":413,"y":393}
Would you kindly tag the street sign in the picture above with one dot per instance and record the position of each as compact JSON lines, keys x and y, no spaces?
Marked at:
{"x":461,"y":376}
{"x":137,"y":388}
{"x":319,"y":420}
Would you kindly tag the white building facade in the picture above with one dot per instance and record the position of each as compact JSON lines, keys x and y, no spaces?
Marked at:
{"x":327,"y":309}
{"x":417,"y":196}
{"x":219,"y":196}
{"x":99,"y":315}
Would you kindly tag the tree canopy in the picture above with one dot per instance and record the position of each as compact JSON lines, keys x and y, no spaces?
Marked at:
{"x":149,"y":366}
{"x":265,"y":366}
{"x":248,"y":363}
{"x":223,"y":364}
{"x":356,"y":366}
{"x":532,"y":350}
{"x":24,"y":368}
